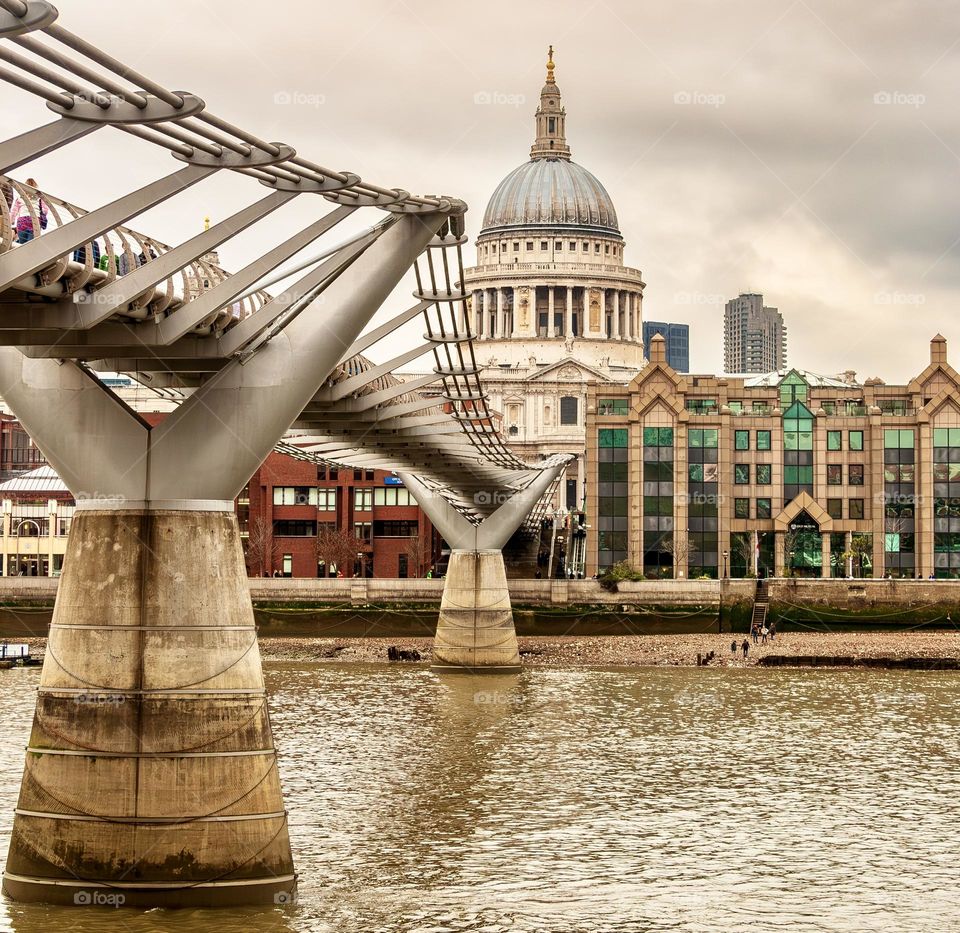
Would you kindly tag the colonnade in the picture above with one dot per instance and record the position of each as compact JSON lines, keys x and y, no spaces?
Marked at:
{"x":571,"y":310}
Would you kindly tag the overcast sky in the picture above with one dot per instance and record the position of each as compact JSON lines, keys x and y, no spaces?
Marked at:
{"x":806,"y":150}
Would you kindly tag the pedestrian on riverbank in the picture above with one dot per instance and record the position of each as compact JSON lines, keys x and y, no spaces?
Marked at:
{"x":754,"y":633}
{"x":733,"y":647}
{"x":763,"y":634}
{"x":773,"y":630}
{"x":746,"y":648}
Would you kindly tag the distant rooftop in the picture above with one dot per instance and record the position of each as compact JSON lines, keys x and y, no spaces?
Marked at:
{"x":815,"y":380}
{"x":43,"y":479}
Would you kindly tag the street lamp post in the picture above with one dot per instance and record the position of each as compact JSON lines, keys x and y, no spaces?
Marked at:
{"x":726,"y":554}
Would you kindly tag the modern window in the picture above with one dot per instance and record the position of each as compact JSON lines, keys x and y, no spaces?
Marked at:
{"x":396,"y":529}
{"x":833,"y":440}
{"x":855,"y":440}
{"x":288,"y":565}
{"x":294,"y":528}
{"x":392,"y":495}
{"x":763,"y":440}
{"x":835,"y":508}
{"x":741,"y":508}
{"x":326,"y":499}
{"x":701,"y":406}
{"x":363,"y":499}
{"x":612,"y":466}
{"x":702,"y":510}
{"x":613,"y":406}
{"x":855,"y":476}
{"x":741,"y":474}
{"x":855,"y":508}
{"x":569,"y":410}
{"x":294,"y":495}
{"x":834,"y":474}
{"x":763,"y":508}
{"x":764,"y":474}
{"x":363,"y":531}
{"x":741,"y":440}
{"x":797,"y":451}
{"x":402,"y":566}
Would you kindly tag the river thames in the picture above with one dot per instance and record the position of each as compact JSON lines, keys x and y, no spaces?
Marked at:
{"x":675,"y":799}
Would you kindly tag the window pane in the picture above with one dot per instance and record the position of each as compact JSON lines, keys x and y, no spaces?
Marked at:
{"x":741,"y":440}
{"x":763,"y":440}
{"x":833,"y":440}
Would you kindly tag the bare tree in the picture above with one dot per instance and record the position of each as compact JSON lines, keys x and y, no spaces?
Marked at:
{"x":790,"y":539}
{"x":262,"y":550}
{"x":418,"y":554}
{"x":337,"y":548}
{"x":678,"y":547}
{"x":742,"y":545}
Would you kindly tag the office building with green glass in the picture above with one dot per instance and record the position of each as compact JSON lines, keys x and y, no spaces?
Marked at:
{"x":781,"y":473}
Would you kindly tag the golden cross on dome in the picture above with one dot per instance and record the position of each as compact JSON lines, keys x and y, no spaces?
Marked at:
{"x":550,"y":65}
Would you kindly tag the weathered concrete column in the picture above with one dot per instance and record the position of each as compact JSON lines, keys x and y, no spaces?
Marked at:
{"x":825,"y":554}
{"x":151,"y":775}
{"x":779,"y":558}
{"x":475,"y":630}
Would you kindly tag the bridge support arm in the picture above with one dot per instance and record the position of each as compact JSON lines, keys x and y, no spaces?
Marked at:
{"x":475,"y":629}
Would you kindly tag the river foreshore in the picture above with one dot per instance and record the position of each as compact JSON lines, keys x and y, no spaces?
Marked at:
{"x":572,"y":651}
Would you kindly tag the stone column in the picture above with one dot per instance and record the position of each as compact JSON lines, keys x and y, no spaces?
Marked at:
{"x":825,"y":554}
{"x":150,"y":770}
{"x":568,"y":320}
{"x":779,"y":559}
{"x":510,"y":312}
{"x":500,"y":331}
{"x":551,"y":330}
{"x":616,"y":314}
{"x":847,"y":544}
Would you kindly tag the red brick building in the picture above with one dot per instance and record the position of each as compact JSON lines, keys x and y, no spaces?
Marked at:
{"x":296,"y":517}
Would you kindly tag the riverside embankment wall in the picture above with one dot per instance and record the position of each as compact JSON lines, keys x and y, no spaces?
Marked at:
{"x":386,"y":606}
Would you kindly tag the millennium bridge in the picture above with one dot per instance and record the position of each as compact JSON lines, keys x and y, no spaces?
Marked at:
{"x":165,"y":789}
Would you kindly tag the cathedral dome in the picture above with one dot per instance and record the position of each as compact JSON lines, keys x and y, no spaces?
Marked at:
{"x":551,"y":192}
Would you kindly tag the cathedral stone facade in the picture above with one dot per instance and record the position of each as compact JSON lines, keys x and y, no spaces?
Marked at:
{"x":552,"y":305}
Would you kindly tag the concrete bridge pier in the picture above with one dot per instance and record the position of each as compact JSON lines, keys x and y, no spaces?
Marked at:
{"x":151,"y":775}
{"x":475,"y":629}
